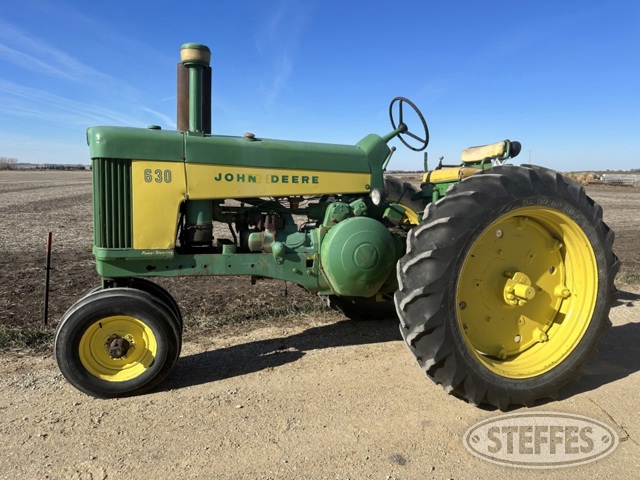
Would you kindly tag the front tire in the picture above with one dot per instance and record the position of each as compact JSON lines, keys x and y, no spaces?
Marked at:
{"x":149,"y":287}
{"x":142,"y":322}
{"x":507,"y":285}
{"x":407,"y":195}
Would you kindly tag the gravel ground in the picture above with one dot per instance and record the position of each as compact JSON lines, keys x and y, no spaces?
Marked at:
{"x":318,"y":398}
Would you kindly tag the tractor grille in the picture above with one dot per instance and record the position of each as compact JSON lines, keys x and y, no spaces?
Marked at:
{"x":112,"y":203}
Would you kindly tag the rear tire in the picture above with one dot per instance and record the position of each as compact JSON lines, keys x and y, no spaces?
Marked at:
{"x":506,"y":285}
{"x":82,"y":340}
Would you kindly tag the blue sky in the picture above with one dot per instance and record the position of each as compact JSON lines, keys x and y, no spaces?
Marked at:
{"x":562,"y":77}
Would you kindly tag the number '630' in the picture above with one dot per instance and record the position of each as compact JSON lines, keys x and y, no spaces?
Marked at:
{"x":157,"y":175}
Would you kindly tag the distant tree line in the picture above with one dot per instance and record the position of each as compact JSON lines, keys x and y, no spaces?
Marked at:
{"x":60,"y":166}
{"x":8,"y":163}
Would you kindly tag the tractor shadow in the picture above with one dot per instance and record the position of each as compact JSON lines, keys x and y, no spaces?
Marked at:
{"x":615,"y":360}
{"x":617,"y":356}
{"x":260,"y":355}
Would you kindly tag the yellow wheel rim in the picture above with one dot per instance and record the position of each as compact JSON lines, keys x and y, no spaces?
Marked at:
{"x":94,"y":348}
{"x":526,"y":292}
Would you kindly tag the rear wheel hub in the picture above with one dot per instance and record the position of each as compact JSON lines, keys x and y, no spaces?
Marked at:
{"x":517,"y":290}
{"x":513,"y":293}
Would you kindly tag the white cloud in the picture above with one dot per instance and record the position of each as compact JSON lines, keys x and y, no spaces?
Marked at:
{"x":66,"y":94}
{"x":170,"y":122}
{"x":20,"y":101}
{"x":278,"y":41}
{"x":31,"y":53}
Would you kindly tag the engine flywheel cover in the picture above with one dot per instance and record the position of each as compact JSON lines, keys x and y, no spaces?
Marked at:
{"x":357,"y":256}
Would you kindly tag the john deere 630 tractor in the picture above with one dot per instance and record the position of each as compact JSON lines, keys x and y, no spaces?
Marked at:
{"x":502,"y":276}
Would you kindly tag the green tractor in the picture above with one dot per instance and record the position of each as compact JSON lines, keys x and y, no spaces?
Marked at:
{"x":502,"y":276}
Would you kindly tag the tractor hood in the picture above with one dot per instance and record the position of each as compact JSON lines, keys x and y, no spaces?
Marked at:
{"x":135,"y":143}
{"x":366,"y":156}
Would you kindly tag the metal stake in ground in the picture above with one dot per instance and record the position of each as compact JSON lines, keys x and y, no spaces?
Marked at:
{"x":46,"y":281}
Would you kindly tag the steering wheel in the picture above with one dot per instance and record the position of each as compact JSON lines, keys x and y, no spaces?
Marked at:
{"x":404,"y":130}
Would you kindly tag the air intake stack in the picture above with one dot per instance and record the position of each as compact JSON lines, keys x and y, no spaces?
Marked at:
{"x":194,"y":117}
{"x":194,"y":89}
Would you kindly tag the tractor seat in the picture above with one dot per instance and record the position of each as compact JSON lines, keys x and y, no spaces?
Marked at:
{"x":495,"y":151}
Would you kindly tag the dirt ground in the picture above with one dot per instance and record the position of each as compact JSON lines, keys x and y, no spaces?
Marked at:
{"x":295,"y":397}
